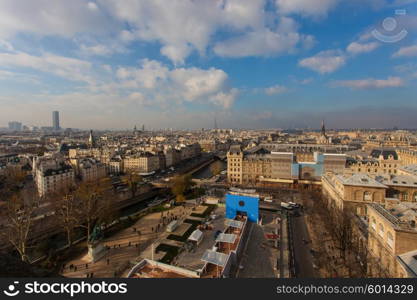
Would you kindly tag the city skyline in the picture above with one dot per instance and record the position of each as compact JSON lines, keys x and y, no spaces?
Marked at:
{"x":247,"y":64}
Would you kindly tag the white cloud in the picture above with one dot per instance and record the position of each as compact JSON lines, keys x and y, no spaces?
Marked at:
{"x":58,"y":17}
{"x":275,"y":90}
{"x":265,"y":42}
{"x":181,"y":27}
{"x":358,"y":48}
{"x":92,"y":6}
{"x":307,"y":81}
{"x":5,"y":45}
{"x":100,"y":50}
{"x":68,"y":68}
{"x":184,"y":26}
{"x":147,"y":76}
{"x":308,"y":8}
{"x":325,"y":61}
{"x":406,"y":51}
{"x":137,"y":97}
{"x":261,"y":43}
{"x":370,"y":83}
{"x":178,"y":84}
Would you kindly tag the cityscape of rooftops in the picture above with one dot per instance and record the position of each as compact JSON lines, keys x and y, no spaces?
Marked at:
{"x":208,"y":139}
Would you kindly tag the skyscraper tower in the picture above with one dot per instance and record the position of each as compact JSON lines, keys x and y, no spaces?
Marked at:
{"x":55,"y":120}
{"x":323,"y":128}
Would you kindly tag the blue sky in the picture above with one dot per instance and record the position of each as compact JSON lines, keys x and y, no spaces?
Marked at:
{"x":181,"y":63}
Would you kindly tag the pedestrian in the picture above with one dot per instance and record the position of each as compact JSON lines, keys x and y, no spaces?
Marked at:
{"x":108,"y":261}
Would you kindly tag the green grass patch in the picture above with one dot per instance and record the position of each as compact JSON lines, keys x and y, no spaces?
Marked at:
{"x":171,"y":252}
{"x":183,"y":238}
{"x":207,"y":212}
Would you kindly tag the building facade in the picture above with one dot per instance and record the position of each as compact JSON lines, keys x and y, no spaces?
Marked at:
{"x":53,"y":176}
{"x":259,"y":165}
{"x":392,"y":237}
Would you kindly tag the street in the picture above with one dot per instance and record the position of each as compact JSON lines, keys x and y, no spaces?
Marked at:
{"x":303,"y":260}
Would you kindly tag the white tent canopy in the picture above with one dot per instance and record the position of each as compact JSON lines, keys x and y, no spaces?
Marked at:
{"x":215,"y":258}
{"x":196,"y":236}
{"x":233,"y":223}
{"x":226,"y":238}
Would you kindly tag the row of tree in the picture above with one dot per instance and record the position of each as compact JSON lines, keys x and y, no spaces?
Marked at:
{"x":86,"y":206}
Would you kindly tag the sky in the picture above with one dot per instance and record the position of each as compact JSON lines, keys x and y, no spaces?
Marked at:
{"x":112,"y":64}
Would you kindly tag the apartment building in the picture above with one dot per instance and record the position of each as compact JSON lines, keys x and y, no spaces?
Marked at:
{"x":260,"y":165}
{"x":91,"y":169}
{"x":53,"y":176}
{"x":379,"y":162}
{"x":392,"y":240}
{"x":352,"y":192}
{"x":358,"y":190}
{"x":143,"y":163}
{"x":407,"y":156}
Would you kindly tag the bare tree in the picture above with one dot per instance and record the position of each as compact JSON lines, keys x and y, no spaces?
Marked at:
{"x":215,"y":168}
{"x":341,"y":229}
{"x":20,"y":217}
{"x":133,"y":179}
{"x":96,"y":203}
{"x":68,"y":213}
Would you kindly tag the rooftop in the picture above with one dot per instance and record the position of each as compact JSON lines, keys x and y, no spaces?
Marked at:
{"x":409,"y":260}
{"x":360,"y":180}
{"x":410,"y":169}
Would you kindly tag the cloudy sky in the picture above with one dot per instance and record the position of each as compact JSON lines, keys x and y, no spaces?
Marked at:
{"x":182,"y":63}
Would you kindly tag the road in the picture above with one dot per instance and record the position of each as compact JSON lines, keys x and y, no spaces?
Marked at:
{"x":303,"y":259}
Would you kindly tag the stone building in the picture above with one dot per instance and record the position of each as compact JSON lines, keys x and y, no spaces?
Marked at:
{"x":52,"y":176}
{"x":355,"y":191}
{"x":142,"y":163}
{"x":260,"y":165}
{"x":90,"y":169}
{"x":407,"y":156}
{"x":392,"y":240}
{"x":379,"y":162}
{"x":352,"y":192}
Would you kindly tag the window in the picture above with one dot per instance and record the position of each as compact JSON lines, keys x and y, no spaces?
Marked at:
{"x":367,"y":196}
{"x":381,"y":230}
{"x":373,"y":223}
{"x":390,"y":239}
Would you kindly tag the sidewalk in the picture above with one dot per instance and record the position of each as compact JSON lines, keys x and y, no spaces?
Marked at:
{"x":125,"y":246}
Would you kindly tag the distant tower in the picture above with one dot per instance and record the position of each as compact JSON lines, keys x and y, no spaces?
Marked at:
{"x":91,"y":140}
{"x":135,"y":129}
{"x":55,"y":120}
{"x":143,"y":127}
{"x":323,"y":128}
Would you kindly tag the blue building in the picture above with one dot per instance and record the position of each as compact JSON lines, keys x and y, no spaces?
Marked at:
{"x":242,"y":204}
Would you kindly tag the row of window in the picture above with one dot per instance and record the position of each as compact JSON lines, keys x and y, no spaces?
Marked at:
{"x":381,"y":232}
